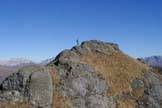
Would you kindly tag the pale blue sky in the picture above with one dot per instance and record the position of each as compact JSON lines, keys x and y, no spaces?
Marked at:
{"x":39,"y":29}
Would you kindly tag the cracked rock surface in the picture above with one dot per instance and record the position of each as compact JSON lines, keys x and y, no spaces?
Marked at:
{"x":30,"y":84}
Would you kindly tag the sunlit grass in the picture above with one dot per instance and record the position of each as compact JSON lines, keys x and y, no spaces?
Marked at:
{"x":15,"y":105}
{"x":119,"y":70}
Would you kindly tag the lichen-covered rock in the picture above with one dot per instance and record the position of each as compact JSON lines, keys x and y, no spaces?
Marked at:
{"x":86,"y":47}
{"x":153,"y":91}
{"x":66,"y":56}
{"x":41,"y":89}
{"x":96,"y":46}
{"x":79,"y":102}
{"x":17,"y":81}
{"x":80,"y":82}
{"x":99,"y":101}
{"x":11,"y":95}
{"x":137,"y":84}
{"x":31,"y":84}
{"x":94,"y":101}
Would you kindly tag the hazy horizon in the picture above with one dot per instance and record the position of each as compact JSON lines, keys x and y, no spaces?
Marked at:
{"x":40,"y":29}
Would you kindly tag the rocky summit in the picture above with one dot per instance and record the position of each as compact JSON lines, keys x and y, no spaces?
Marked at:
{"x":94,"y":74}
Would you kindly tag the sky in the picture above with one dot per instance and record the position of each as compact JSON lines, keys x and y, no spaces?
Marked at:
{"x":40,"y":29}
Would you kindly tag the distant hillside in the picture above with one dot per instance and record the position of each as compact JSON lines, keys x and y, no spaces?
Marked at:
{"x":10,"y":66}
{"x":153,"y":61}
{"x":15,"y":62}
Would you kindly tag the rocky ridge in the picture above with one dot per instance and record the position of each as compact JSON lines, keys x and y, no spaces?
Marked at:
{"x":94,"y":74}
{"x":15,"y":62}
{"x":125,"y":82}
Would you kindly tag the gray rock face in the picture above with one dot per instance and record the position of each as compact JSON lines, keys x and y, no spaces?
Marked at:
{"x":100,"y":47}
{"x":41,"y":90}
{"x":66,"y":56}
{"x":79,"y":103}
{"x":31,"y":84}
{"x":80,"y":82}
{"x":82,"y":78}
{"x":94,"y":101}
{"x":92,"y":46}
{"x":17,"y":81}
{"x":11,"y":95}
{"x":16,"y":87}
{"x":153,"y":91}
{"x":82,"y":86}
{"x":99,"y":101}
{"x":86,"y":89}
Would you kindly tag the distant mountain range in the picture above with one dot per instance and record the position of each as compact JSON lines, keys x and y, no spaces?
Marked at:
{"x":153,"y":61}
{"x":15,"y":62}
{"x":10,"y":66}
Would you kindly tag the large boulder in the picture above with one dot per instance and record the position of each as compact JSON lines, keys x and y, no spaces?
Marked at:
{"x":99,"y":101}
{"x":97,"y":47}
{"x":84,"y":86}
{"x":92,"y":46}
{"x":31,"y":84}
{"x":41,"y":89}
{"x":153,"y":91}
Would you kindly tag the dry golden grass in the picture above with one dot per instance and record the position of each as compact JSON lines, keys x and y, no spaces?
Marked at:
{"x":126,"y":104}
{"x":61,"y":102}
{"x":15,"y":105}
{"x":58,"y":100}
{"x":119,"y":70}
{"x":54,"y":75}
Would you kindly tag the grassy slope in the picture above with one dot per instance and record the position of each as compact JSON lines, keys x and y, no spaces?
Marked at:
{"x":15,"y":105}
{"x":119,"y":70}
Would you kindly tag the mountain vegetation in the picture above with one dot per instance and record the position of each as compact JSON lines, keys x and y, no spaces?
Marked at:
{"x":95,"y":74}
